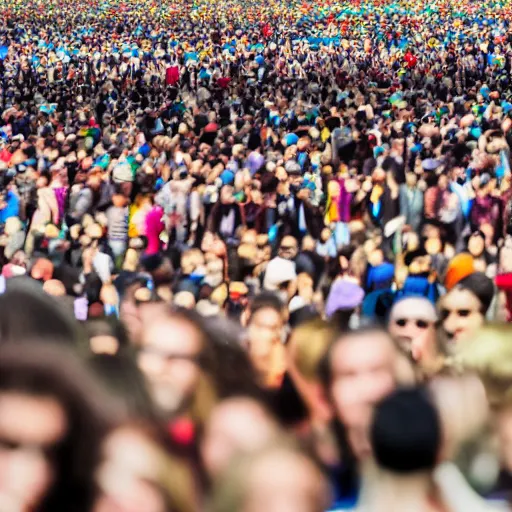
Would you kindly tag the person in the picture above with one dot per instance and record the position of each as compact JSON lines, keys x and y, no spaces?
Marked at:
{"x":359,"y":369}
{"x":28,"y":313}
{"x":412,"y":322}
{"x":53,"y":417}
{"x":137,"y":472}
{"x":464,"y":307}
{"x":279,"y":477}
{"x":265,"y":320}
{"x":238,"y":425}
{"x":406,"y":439}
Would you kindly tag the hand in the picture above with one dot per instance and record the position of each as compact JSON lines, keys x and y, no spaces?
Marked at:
{"x":109,"y":295}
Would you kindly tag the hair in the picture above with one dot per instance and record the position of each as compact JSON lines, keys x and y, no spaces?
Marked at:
{"x":311,"y":341}
{"x":266,"y":300}
{"x":47,"y":370}
{"x":406,"y":432}
{"x":481,"y":286}
{"x":488,"y":354}
{"x":123,"y":379}
{"x":27,"y":312}
{"x":109,"y":326}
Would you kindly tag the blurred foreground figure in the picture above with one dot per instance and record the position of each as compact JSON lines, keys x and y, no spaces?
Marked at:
{"x":136,"y":474}
{"x":237,"y":425}
{"x":52,"y":419}
{"x":279,"y":478}
{"x":406,"y":437}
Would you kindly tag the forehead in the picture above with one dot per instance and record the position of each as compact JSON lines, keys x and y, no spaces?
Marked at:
{"x":460,"y":299}
{"x":363,"y":351}
{"x":172,"y":334}
{"x":266,"y":316}
{"x":288,"y":240}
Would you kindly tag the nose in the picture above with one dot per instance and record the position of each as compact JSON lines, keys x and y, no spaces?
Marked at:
{"x":451,"y":325}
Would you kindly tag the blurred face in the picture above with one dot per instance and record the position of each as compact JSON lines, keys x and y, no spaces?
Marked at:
{"x":31,"y":429}
{"x":416,"y":335}
{"x":129,"y":465}
{"x":476,"y":245}
{"x":288,"y":248}
{"x":461,"y":314}
{"x":264,"y":332}
{"x":411,"y":179}
{"x":169,"y":360}
{"x":285,"y":482}
{"x":363,"y":373}
{"x":235,"y":426}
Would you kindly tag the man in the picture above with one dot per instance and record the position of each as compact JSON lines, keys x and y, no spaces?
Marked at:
{"x":360,"y":369}
{"x":411,"y":202}
{"x":171,"y":363}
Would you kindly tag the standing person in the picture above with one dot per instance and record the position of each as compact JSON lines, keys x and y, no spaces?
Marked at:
{"x":411,"y":202}
{"x":117,"y":225}
{"x":360,"y":369}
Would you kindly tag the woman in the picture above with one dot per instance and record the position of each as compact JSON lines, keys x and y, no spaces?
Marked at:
{"x":53,"y":416}
{"x":137,"y":474}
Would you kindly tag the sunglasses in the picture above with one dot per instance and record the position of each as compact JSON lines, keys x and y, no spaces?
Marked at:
{"x":420,"y":324}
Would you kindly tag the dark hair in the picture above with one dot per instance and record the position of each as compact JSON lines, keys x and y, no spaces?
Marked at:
{"x":49,"y":370}
{"x":481,"y":286}
{"x":266,"y":300}
{"x":124,"y":380}
{"x":406,"y":432}
{"x":109,"y":326}
{"x":27,"y":312}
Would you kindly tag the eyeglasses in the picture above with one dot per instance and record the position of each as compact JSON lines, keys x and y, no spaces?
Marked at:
{"x":420,"y":324}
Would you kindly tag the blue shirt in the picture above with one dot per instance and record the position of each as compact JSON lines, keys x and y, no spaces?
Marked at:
{"x":12,"y":208}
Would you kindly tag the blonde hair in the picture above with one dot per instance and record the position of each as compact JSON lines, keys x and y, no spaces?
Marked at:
{"x":489,"y":354}
{"x":310,"y":342}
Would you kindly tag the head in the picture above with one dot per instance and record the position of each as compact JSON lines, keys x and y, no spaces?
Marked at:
{"x":412,"y":322}
{"x":137,"y":473}
{"x":462,"y":310}
{"x":27,"y":312}
{"x":238,"y":425}
{"x":288,"y":248}
{"x":52,"y":418}
{"x":476,"y":244}
{"x":358,"y":371}
{"x":265,"y":330}
{"x":171,"y":364}
{"x":279,"y":478}
{"x":411,"y":179}
{"x":406,"y":433}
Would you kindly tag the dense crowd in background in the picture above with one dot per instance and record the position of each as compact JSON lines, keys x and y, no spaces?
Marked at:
{"x":255,"y":256}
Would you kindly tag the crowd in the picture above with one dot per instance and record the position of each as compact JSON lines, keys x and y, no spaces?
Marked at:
{"x":255,"y":256}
